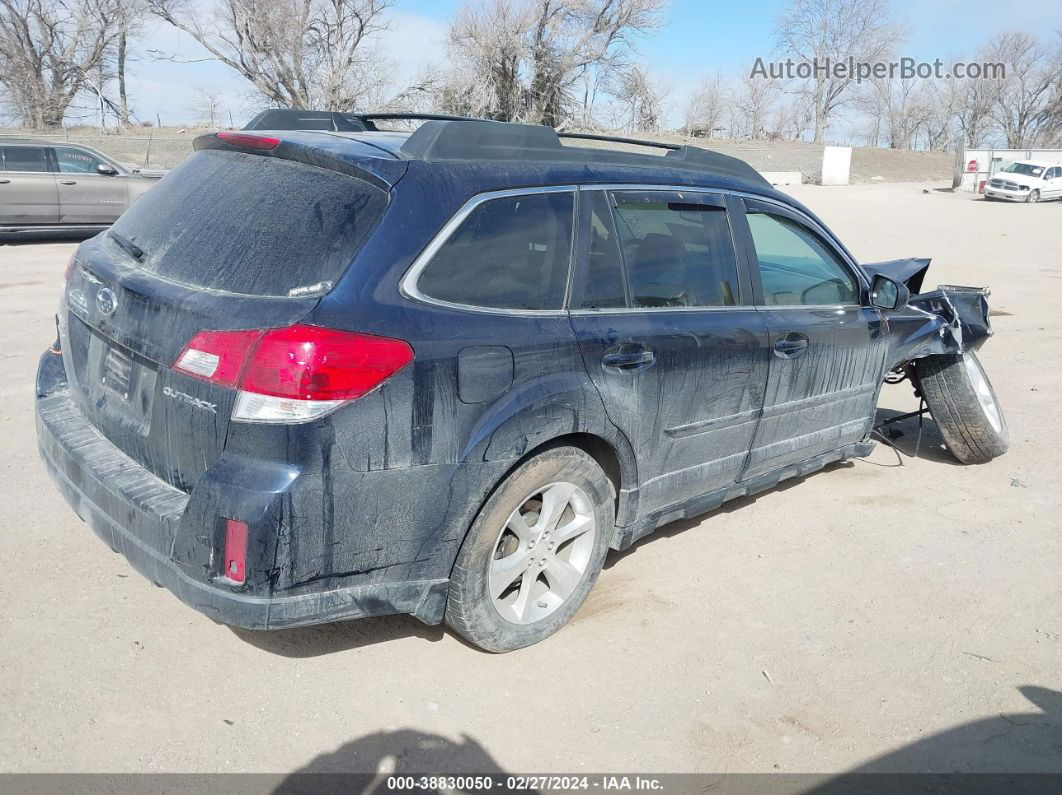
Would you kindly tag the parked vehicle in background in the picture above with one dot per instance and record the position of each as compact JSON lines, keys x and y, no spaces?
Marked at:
{"x":318,"y":376}
{"x":51,"y":188}
{"x":1026,"y":181}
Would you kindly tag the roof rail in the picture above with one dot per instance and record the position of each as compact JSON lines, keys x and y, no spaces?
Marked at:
{"x":618,"y":140}
{"x":413,"y":116}
{"x":475,"y":139}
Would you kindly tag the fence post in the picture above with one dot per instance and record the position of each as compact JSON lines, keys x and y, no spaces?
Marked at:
{"x":147,"y":154}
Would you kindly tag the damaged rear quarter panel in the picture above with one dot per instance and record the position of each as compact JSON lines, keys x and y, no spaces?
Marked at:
{"x":388,"y":485}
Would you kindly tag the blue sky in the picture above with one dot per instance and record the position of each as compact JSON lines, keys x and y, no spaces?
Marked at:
{"x":701,"y":36}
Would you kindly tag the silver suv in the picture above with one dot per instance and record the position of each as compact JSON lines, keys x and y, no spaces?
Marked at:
{"x":69,"y":188}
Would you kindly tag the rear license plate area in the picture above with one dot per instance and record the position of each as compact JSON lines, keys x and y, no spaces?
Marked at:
{"x":117,"y":373}
{"x":121,"y":385}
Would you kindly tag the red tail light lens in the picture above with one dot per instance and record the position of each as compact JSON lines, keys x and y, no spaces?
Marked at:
{"x":311,"y":363}
{"x":218,"y":356}
{"x":299,"y":364}
{"x":69,"y":269}
{"x":261,"y":142}
{"x":234,"y":559}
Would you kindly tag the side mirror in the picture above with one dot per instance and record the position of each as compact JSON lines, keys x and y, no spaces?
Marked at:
{"x":106,"y":170}
{"x":886,"y":293}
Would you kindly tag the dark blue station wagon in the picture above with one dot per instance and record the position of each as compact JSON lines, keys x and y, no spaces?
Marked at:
{"x":316,"y":376}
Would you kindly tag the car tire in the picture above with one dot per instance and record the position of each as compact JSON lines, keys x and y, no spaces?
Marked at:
{"x":1033,"y":197}
{"x":501,"y":606}
{"x":964,"y":404}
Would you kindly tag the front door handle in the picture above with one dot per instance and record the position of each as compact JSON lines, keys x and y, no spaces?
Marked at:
{"x":627,"y":358}
{"x":792,"y":345}
{"x":68,"y":182}
{"x":4,"y":181}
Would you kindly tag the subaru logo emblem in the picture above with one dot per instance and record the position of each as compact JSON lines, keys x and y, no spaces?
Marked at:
{"x":106,"y":301}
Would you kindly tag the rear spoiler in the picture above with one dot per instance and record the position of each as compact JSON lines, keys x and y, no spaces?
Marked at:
{"x":344,"y":155}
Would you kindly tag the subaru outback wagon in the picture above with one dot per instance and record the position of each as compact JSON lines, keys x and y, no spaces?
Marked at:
{"x":318,"y":376}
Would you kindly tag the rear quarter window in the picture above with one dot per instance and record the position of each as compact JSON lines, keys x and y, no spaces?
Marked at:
{"x":249,"y":224}
{"x":512,"y":252}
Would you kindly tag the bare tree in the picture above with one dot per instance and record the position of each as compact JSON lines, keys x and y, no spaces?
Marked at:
{"x":752,"y":100}
{"x":526,"y":60}
{"x":1022,"y":99}
{"x":817,"y":31}
{"x":898,"y":111}
{"x":943,"y":104}
{"x":1051,"y":126}
{"x":296,"y":53}
{"x":206,"y":104}
{"x":706,"y":107}
{"x":974,"y":112}
{"x":792,"y":118}
{"x":129,"y":16}
{"x":488,"y":47}
{"x":48,"y":50}
{"x":639,"y":99}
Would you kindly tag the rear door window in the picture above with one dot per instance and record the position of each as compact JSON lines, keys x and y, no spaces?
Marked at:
{"x":678,"y":249}
{"x":248,"y":224}
{"x":603,"y":282}
{"x":512,"y":252}
{"x":25,"y":158}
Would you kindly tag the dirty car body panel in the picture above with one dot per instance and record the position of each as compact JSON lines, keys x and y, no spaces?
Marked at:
{"x":361,"y":510}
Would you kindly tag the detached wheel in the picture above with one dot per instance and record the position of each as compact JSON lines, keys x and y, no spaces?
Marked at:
{"x":965,"y":407}
{"x":533,"y":553}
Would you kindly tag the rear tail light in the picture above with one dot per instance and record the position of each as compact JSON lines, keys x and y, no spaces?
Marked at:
{"x":69,"y":269}
{"x":245,"y":141}
{"x":292,"y":374}
{"x":234,"y":558}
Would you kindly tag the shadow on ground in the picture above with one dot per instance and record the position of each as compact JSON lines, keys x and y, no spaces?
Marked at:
{"x":322,"y":639}
{"x":999,"y":754}
{"x":365,"y":764}
{"x":904,"y":436}
{"x":1010,"y":746}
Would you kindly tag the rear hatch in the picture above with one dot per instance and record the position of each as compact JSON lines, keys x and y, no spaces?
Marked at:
{"x":228,"y":240}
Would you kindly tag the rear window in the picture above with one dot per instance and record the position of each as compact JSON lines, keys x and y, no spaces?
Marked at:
{"x":248,"y":224}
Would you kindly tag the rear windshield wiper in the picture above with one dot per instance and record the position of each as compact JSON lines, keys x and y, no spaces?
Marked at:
{"x":131,"y":248}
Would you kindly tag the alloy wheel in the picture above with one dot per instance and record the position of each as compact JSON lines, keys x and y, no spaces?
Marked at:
{"x":542,"y":553}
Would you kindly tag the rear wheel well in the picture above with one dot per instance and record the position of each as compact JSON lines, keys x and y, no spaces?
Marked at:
{"x":598,"y":449}
{"x":603,"y":453}
{"x":594,"y":446}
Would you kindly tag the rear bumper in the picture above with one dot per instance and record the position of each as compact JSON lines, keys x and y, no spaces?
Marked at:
{"x":148,"y":521}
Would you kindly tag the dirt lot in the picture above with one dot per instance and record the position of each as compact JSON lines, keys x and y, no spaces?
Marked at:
{"x":887,"y":614}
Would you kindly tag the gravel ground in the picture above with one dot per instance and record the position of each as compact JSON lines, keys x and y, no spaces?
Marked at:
{"x":895,"y":614}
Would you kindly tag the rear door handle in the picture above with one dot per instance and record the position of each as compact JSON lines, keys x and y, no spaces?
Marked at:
{"x":791,"y":345}
{"x":68,"y":182}
{"x":627,"y":360}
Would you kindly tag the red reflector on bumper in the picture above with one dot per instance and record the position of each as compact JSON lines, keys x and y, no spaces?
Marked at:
{"x":235,"y":557}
